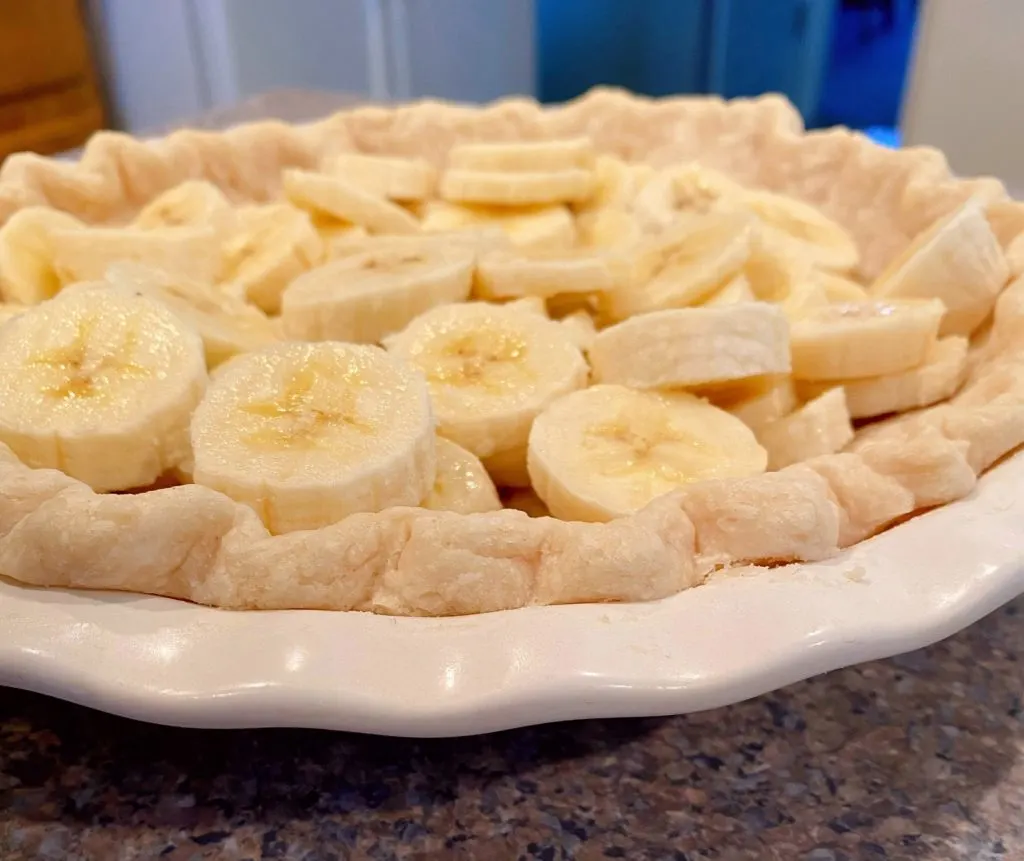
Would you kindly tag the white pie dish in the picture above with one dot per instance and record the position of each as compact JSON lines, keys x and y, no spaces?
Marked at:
{"x":171,"y":662}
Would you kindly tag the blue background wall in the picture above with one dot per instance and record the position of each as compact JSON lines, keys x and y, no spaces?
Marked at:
{"x":839,"y":61}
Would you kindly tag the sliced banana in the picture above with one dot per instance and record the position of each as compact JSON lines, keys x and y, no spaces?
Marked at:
{"x":735,"y":290}
{"x":405,"y":179}
{"x":524,"y":156}
{"x":616,"y":184}
{"x":460,"y":482}
{"x":506,"y":275}
{"x":268,"y":248}
{"x":508,"y":468}
{"x":683,"y":267}
{"x":533,"y":304}
{"x":27,"y":272}
{"x":864,"y":339}
{"x":608,"y":228}
{"x":821,"y":426}
{"x":495,"y":188}
{"x":307,"y":434}
{"x":693,"y":347}
{"x":332,"y":195}
{"x":10,"y":310}
{"x":581,"y":327}
{"x":337,"y":235}
{"x":85,"y":253}
{"x":776,"y":274}
{"x":676,"y":191}
{"x":531,"y":228}
{"x":193,"y":202}
{"x":756,"y":401}
{"x":697,"y":187}
{"x":942,"y":373}
{"x":101,"y":385}
{"x":491,"y":369}
{"x":840,"y":289}
{"x":957,"y":260}
{"x":606,"y":451}
{"x":227,"y":325}
{"x":472,"y":240}
{"x":797,"y":226}
{"x":367,"y":296}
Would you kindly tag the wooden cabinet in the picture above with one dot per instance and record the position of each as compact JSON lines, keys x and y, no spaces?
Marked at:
{"x":49,"y":97}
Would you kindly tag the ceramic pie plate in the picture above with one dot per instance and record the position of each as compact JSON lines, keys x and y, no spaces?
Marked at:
{"x":741,"y":634}
{"x":733,"y":638}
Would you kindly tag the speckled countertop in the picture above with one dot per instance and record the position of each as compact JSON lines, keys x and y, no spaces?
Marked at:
{"x":914,"y":757}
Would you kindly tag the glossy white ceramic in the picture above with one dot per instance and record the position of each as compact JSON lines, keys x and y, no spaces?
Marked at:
{"x":733,"y":638}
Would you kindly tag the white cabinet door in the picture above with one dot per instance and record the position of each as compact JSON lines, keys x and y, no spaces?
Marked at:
{"x":966,"y":87}
{"x":467,"y":50}
{"x":146,"y":52}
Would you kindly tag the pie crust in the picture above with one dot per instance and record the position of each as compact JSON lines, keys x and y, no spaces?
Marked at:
{"x":193,"y":543}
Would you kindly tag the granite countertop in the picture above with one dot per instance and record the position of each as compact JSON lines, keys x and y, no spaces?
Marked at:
{"x":913,"y":757}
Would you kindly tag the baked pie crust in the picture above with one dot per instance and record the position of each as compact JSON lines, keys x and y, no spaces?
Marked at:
{"x":195,"y":543}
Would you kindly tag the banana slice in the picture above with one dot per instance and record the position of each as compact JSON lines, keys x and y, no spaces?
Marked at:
{"x":307,"y":434}
{"x":942,"y":373}
{"x":505,"y":275}
{"x":405,"y":179}
{"x":957,"y":260}
{"x":736,"y":289}
{"x":756,"y":401}
{"x":491,"y":369}
{"x":607,"y":451}
{"x":864,"y":339}
{"x":325,"y":193}
{"x":472,"y":240}
{"x":535,"y":228}
{"x":840,"y":289}
{"x":581,"y":327}
{"x":524,"y":499}
{"x":616,"y":184}
{"x":533,"y":304}
{"x":268,"y":248}
{"x":819,"y":427}
{"x":608,"y":228}
{"x":365,"y":297}
{"x":495,"y":188}
{"x":85,"y":253}
{"x":524,"y":156}
{"x":10,"y":310}
{"x":337,"y":235}
{"x":227,"y":324}
{"x":508,"y":468}
{"x":693,"y":347}
{"x":697,"y":187}
{"x":686,"y":265}
{"x":677,"y":191}
{"x":776,"y":274}
{"x":460,"y":483}
{"x":797,"y":226}
{"x":190,"y":203}
{"x":101,"y":385}
{"x":27,"y":273}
